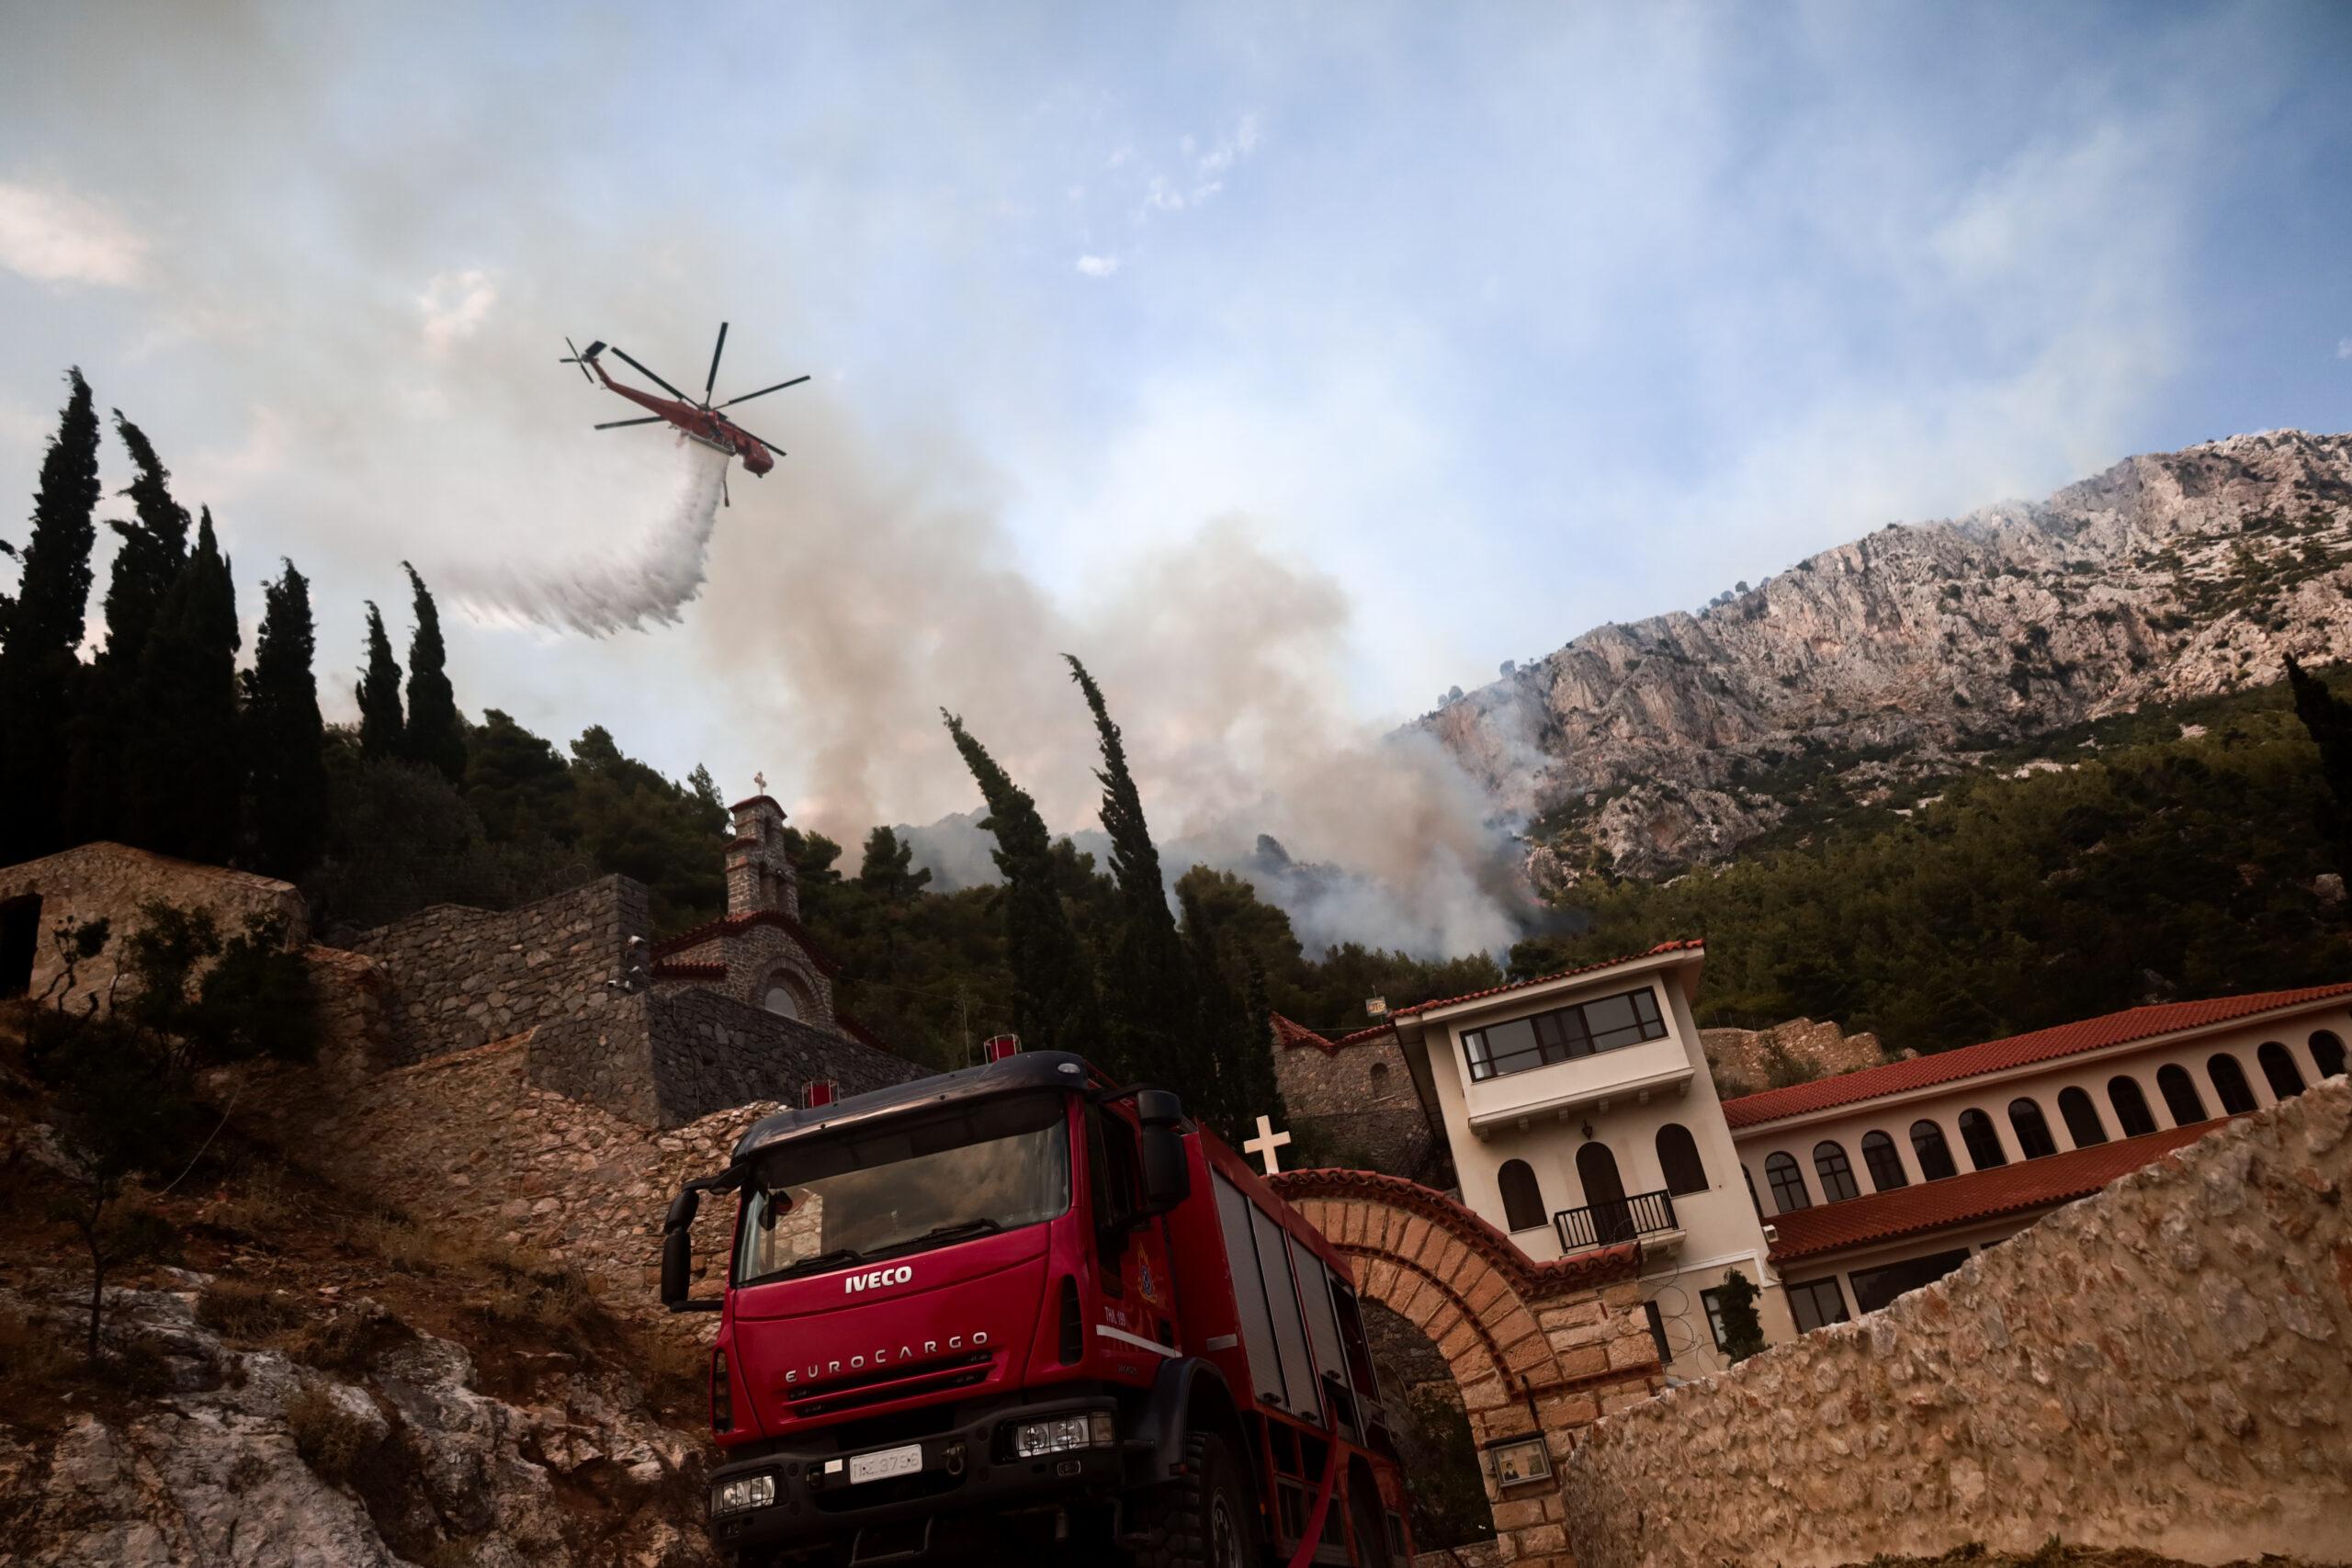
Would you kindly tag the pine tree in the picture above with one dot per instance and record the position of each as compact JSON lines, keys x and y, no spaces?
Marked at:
{"x":1054,"y":1002}
{"x":435,"y":736}
{"x":382,"y":731}
{"x":151,"y":550}
{"x":2329,"y":718}
{"x":41,"y":674}
{"x":887,"y":870}
{"x":1150,"y":1003}
{"x":285,"y":741}
{"x":184,"y":776}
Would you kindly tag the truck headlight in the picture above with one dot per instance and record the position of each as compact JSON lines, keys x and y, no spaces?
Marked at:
{"x":1063,"y":1433}
{"x":743,"y":1491}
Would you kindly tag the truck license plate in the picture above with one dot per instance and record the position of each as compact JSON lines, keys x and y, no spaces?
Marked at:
{"x":885,"y":1464}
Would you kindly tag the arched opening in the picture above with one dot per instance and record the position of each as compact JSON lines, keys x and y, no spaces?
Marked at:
{"x":20,"y":943}
{"x":2081,"y":1117}
{"x":2327,"y":1054}
{"x":1447,"y":1501}
{"x":1976,"y":1130}
{"x":1836,"y":1171}
{"x":782,"y":996}
{"x":2132,"y":1113}
{"x":1604,"y":1191}
{"x":1886,"y":1163}
{"x":2180,"y":1094}
{"x":1522,"y":1197}
{"x":1678,"y":1159}
{"x":2032,"y":1129}
{"x":1781,"y":1173}
{"x":2278,"y":1067}
{"x":2230,"y":1086}
{"x":1934,"y":1154}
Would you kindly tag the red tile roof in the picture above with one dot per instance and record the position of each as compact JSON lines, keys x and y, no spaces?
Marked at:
{"x":2016,"y":1051}
{"x":1290,"y":1036}
{"x":1693,"y":944}
{"x":727,"y":925}
{"x":1968,"y":1199}
{"x":679,"y":970}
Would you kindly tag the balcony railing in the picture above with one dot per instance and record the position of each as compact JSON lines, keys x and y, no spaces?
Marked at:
{"x":1621,"y":1219}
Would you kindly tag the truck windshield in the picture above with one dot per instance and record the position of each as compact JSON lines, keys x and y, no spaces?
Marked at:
{"x":903,"y":1185}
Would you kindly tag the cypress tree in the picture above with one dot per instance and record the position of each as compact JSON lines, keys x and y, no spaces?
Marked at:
{"x":1150,"y":1004}
{"x":41,"y":674}
{"x":1054,"y":1002}
{"x":286,"y":739}
{"x":150,"y":552}
{"x":435,"y":736}
{"x":381,"y":728}
{"x":185,"y":779}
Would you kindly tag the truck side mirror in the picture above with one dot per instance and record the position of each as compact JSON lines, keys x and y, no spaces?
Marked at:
{"x":1167,"y":1175}
{"x":677,"y":1254}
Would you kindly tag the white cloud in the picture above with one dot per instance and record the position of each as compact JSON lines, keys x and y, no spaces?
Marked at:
{"x":456,"y":304}
{"x":55,"y":236}
{"x":1098,"y":266}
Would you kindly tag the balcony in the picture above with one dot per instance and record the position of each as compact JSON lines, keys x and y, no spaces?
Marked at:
{"x":1642,"y":1216}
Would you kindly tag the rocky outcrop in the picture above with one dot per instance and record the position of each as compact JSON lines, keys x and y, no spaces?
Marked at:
{"x":249,"y":1458}
{"x":1653,"y":745}
{"x":1744,"y":1061}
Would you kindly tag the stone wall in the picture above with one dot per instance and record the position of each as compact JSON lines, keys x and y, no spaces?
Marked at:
{"x":459,"y":978}
{"x":1749,"y":1061}
{"x":668,"y":1057}
{"x":109,"y":881}
{"x":2162,"y":1365}
{"x":1352,"y":1102}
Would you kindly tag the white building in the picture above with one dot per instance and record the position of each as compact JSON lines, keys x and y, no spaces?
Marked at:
{"x":1579,"y":1114}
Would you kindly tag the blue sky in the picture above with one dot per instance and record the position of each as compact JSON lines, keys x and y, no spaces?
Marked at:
{"x":1292,"y":362}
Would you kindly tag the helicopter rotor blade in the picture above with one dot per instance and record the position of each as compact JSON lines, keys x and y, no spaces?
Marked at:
{"x":715,"y":353}
{"x":763,"y":391}
{"x":575,"y":360}
{"x":649,"y":419}
{"x":656,"y":380}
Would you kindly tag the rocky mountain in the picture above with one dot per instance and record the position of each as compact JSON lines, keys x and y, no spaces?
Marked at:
{"x":1644,"y":748}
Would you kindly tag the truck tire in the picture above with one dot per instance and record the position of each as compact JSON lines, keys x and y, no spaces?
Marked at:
{"x":1204,"y":1518}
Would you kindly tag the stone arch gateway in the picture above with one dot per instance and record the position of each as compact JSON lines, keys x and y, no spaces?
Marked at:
{"x":1538,"y":1349}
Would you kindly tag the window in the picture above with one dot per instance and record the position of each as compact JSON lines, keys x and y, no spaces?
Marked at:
{"x":2132,"y":1113}
{"x":1984,"y":1142}
{"x":1836,"y":1174}
{"x":783,"y":999}
{"x":1874,"y":1287}
{"x":1816,"y":1303}
{"x":2081,"y":1117}
{"x":1677,"y":1157}
{"x":1657,"y":1333}
{"x":1886,"y":1164}
{"x":1564,"y":1033}
{"x":1934,"y":1154}
{"x":2327,"y":1054}
{"x":2180,"y":1095}
{"x":2034,"y":1133}
{"x":1712,"y":1301}
{"x":2286,"y":1079}
{"x":1787,"y":1183}
{"x":1379,"y":1074}
{"x":1522,"y":1199}
{"x":2229,"y":1083}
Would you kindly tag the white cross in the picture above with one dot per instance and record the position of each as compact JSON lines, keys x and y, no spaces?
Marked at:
{"x":1264,"y":1144}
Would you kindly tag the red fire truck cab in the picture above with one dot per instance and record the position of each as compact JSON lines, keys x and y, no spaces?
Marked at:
{"x":1018,"y":1305}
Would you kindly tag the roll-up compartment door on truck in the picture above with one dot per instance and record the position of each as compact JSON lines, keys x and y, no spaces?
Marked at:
{"x":1322,"y":1324}
{"x":1281,"y":1300}
{"x":1233,"y":1213}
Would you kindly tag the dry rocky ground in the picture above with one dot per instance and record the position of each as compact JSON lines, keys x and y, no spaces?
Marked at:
{"x":2058,"y":1556}
{"x":297,"y":1375}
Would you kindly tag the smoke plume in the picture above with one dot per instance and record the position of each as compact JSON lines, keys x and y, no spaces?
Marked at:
{"x":648,"y":581}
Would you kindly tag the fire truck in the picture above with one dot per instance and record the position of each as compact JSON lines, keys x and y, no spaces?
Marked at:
{"x":1020,"y":1310}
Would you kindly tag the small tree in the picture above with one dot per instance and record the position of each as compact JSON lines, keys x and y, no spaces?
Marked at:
{"x":77,"y":941}
{"x":1743,"y":1331}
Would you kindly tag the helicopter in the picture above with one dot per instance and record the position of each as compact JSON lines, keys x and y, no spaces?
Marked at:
{"x":699,"y":422}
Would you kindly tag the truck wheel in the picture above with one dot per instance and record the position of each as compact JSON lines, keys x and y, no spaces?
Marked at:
{"x":1204,"y":1518}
